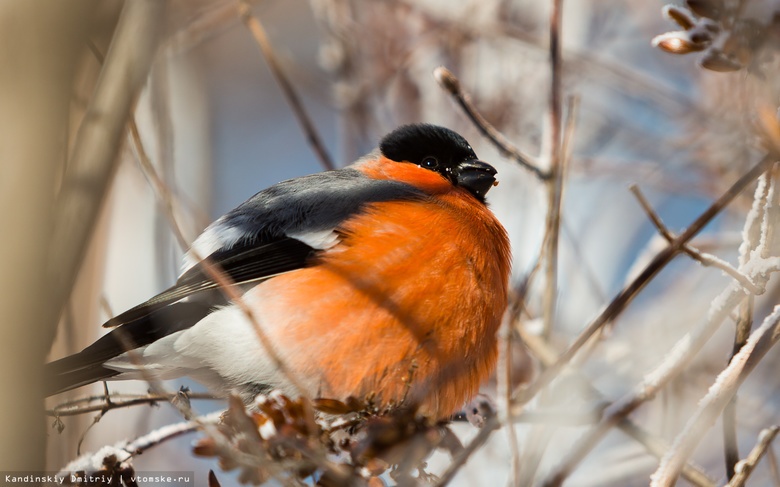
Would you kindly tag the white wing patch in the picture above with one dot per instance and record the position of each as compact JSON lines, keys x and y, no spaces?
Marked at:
{"x":320,"y":240}
{"x":216,"y":236}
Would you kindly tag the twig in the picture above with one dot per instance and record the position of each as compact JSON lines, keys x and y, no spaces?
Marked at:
{"x":773,"y":467}
{"x":491,"y":424}
{"x":117,"y":401}
{"x":720,"y":393}
{"x":258,"y":32}
{"x":504,"y":379}
{"x":746,"y":466}
{"x":161,"y":189}
{"x":560,"y":154}
{"x":729,"y":419}
{"x":697,"y":255}
{"x":523,"y":395}
{"x":451,"y":84}
{"x":554,"y":183}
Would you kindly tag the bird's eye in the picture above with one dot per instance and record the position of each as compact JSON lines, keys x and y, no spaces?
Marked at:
{"x":429,"y":162}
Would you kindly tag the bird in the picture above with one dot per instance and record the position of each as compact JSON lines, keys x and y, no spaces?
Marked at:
{"x":384,"y":280}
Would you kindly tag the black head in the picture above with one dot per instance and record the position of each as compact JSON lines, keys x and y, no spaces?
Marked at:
{"x":440,"y":150}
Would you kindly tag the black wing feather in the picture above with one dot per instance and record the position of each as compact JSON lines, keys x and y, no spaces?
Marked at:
{"x":242,"y":263}
{"x":86,"y":366}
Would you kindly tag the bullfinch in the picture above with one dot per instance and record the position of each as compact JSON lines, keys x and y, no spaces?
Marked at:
{"x":384,"y":280}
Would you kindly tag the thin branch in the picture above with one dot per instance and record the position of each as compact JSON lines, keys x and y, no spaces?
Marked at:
{"x":697,"y":255}
{"x":720,"y":393}
{"x":729,"y":419}
{"x":746,"y":466}
{"x":161,"y":189}
{"x":451,"y":84}
{"x":618,"y":304}
{"x":771,"y":459}
{"x":504,"y":379}
{"x":117,"y":401}
{"x":560,"y":153}
{"x":675,"y":361}
{"x":458,"y":461}
{"x":312,"y":136}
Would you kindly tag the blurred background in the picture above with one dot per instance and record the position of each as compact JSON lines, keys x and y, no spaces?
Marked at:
{"x":217,"y":127}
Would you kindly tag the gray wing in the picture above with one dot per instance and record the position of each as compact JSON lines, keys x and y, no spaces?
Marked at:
{"x":280,"y":229}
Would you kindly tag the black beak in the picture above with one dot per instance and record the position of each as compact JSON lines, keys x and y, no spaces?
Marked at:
{"x":476,"y":176}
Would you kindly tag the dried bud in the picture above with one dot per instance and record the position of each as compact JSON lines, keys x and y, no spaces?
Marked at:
{"x":682,"y":16}
{"x":677,"y":43}
{"x":446,"y":79}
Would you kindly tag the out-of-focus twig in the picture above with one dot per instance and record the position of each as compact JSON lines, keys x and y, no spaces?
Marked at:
{"x":774,"y":469}
{"x":451,"y":84}
{"x":559,"y":159}
{"x":258,"y":32}
{"x":746,"y":467}
{"x":168,"y":432}
{"x":161,"y":189}
{"x":504,"y":380}
{"x":554,"y":182}
{"x":491,"y":424}
{"x":93,"y":160}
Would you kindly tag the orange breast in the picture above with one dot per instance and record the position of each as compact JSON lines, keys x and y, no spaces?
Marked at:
{"x":406,"y":308}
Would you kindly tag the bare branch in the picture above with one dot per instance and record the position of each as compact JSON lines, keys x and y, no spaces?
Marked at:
{"x":697,"y":255}
{"x":451,"y":84}
{"x":312,"y":136}
{"x":117,"y":401}
{"x":746,"y":466}
{"x":161,"y":189}
{"x":554,"y":183}
{"x":458,"y":461}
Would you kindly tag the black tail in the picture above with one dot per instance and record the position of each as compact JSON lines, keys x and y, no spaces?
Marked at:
{"x":59,"y":378}
{"x":87,"y":367}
